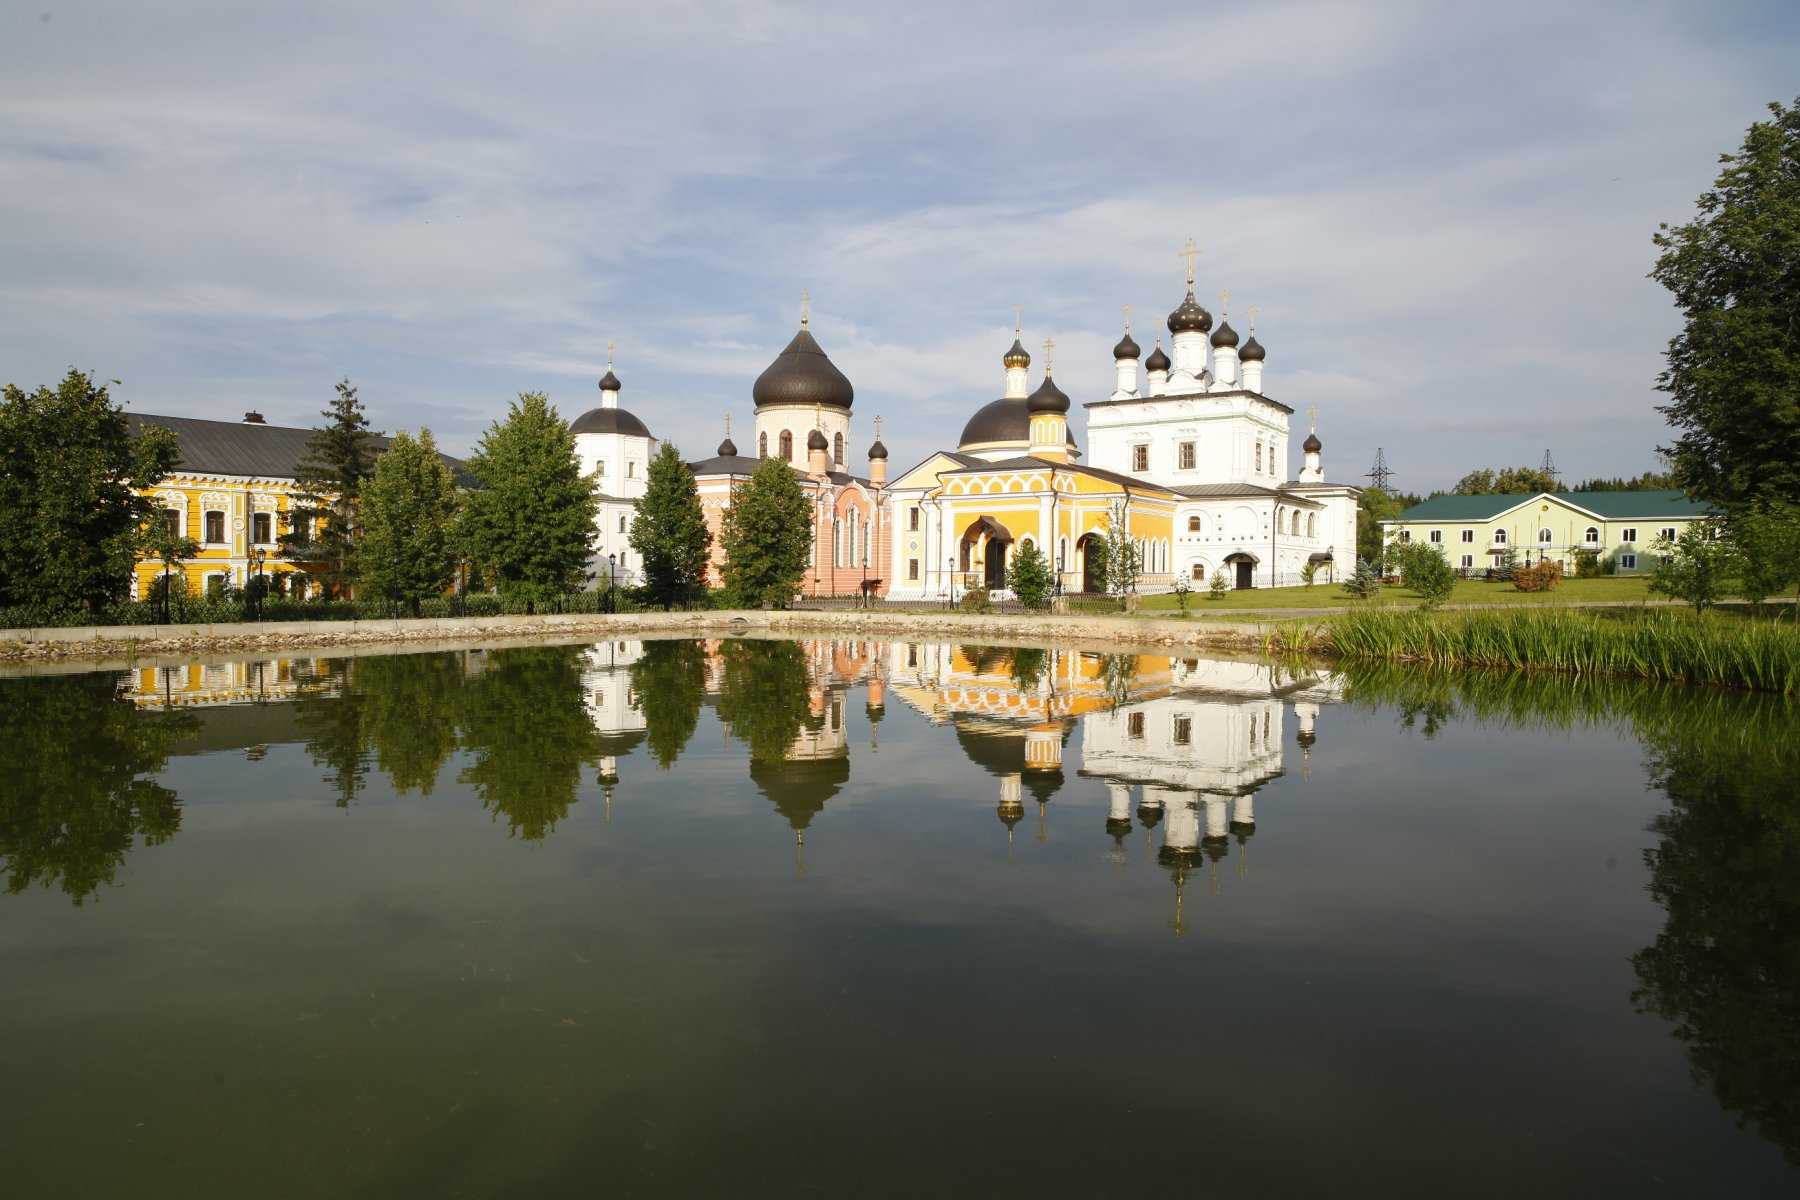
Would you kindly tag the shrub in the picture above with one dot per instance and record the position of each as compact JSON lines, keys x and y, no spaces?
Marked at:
{"x":1539,"y":578}
{"x":1364,"y":582}
{"x":1428,"y":573}
{"x":1218,"y":587}
{"x":1029,"y":576}
{"x":975,"y":601}
{"x":1694,"y":567}
{"x":1182,"y":591}
{"x":1587,"y":564}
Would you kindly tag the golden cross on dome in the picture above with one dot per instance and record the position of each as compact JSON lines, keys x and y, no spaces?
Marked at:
{"x":805,"y":307}
{"x":727,"y":424}
{"x":1126,"y":309}
{"x":1016,"y":319}
{"x":1049,"y":353}
{"x":878,"y":428}
{"x":609,"y":354}
{"x":1190,"y":252}
{"x":1253,"y":311}
{"x":1224,"y":301}
{"x":1312,"y":418}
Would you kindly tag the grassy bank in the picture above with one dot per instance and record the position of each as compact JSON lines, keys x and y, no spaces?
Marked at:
{"x":1663,"y":644}
{"x":1608,"y":589}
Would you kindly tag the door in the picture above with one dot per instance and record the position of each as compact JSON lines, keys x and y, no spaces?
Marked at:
{"x":1245,"y":574}
{"x":1093,"y":574}
{"x":996,"y":565}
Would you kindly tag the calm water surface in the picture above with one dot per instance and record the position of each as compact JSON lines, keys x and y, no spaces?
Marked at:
{"x":891,"y":919}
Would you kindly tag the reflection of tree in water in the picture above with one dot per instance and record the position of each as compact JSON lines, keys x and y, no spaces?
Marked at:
{"x":1117,"y":673}
{"x":329,"y":714}
{"x":1726,"y":869}
{"x":524,"y":722}
{"x":409,"y":710}
{"x":1725,"y":970}
{"x":670,"y":683}
{"x":763,"y":695}
{"x":1028,"y":669}
{"x":74,"y":756}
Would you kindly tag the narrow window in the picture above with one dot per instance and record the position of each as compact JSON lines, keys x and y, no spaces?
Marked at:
{"x":912,"y":519}
{"x":1186,"y":457}
{"x":1134,"y":725}
{"x":912,"y":568}
{"x":1468,"y":535}
{"x":1259,"y":458}
{"x":1436,"y":536}
{"x":837,"y":449}
{"x":762,"y":445}
{"x":600,"y":468}
{"x":631,"y":470}
{"x":1669,"y":533}
{"x":787,"y":446}
{"x":621,"y":522}
{"x":1628,"y":561}
{"x":1193,"y":524}
{"x":1184,"y":730}
{"x":172,"y":522}
{"x":1468,"y":560}
{"x":1295,"y":531}
{"x":1312,"y":525}
{"x":1406,"y":535}
{"x":1140,"y":458}
{"x":215,"y":531}
{"x":912,"y":654}
{"x":259,"y":528}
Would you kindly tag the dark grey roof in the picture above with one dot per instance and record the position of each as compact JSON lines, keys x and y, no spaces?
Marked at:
{"x":1224,"y":335}
{"x":609,"y":420}
{"x":1158,"y":361}
{"x":1252,"y":351}
{"x":1189,"y":317}
{"x":238,"y":448}
{"x":724,"y":464}
{"x":816,"y":440}
{"x":1225,"y":491}
{"x":1002,"y":420}
{"x":877,"y":451}
{"x":727,"y":448}
{"x":1125,"y":349}
{"x":1047,"y":398}
{"x":609,"y":381}
{"x":1312,"y":444}
{"x":801,"y":374}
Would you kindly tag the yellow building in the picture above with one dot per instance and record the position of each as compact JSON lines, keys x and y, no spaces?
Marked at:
{"x":231,"y":492}
{"x":1620,"y":528}
{"x":960,"y":515}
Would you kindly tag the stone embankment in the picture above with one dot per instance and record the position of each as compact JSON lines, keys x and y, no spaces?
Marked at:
{"x":112,"y":642}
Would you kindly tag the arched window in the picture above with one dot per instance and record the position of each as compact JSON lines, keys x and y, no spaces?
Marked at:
{"x":787,"y":446}
{"x":1499,"y":537}
{"x":837,"y":449}
{"x":1312,"y":525}
{"x":1545,"y":536}
{"x":1592,"y":536}
{"x":1198,"y":571}
{"x":1259,"y":458}
{"x":762,"y":445}
{"x":621,"y":522}
{"x":1295,"y":531}
{"x":1193,"y":524}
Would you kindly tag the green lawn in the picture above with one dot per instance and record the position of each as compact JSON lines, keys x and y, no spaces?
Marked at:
{"x":1606,"y":589}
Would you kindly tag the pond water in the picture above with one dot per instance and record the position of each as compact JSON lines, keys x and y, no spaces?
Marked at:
{"x":826,"y":918}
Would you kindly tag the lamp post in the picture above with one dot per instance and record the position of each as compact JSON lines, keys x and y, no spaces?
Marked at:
{"x":258,"y":585}
{"x":612,"y":583}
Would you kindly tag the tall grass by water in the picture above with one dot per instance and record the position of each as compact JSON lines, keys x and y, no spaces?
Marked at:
{"x":1658,"y":644}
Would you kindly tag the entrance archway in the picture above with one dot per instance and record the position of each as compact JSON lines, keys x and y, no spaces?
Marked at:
{"x":1243,"y":567}
{"x":988,"y":540}
{"x":1093,"y":564}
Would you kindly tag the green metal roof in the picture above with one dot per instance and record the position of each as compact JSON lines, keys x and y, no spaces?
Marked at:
{"x":1612,"y":506}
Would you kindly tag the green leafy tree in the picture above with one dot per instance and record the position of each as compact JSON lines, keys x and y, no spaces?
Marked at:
{"x":1649,"y":481}
{"x":80,"y":764}
{"x":1373,"y":507}
{"x":408,"y":550}
{"x":163,"y":542}
{"x":1028,"y":668}
{"x":323,"y":522}
{"x":1029,"y":576}
{"x":1182,"y":591}
{"x":669,"y":681}
{"x":532,"y":521}
{"x":1505,"y":481}
{"x":669,"y":532}
{"x":1428,"y":573}
{"x":1768,"y":542}
{"x":767,"y":537}
{"x":1122,"y":557}
{"x":1217,"y":586}
{"x":73,"y":516}
{"x":1695,"y":567}
{"x":530,"y":735}
{"x":1733,"y":374}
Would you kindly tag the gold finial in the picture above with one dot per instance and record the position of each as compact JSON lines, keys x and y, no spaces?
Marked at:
{"x":805,"y":307}
{"x":609,"y":354}
{"x":878,"y":427}
{"x":1253,"y":311}
{"x":727,"y":424}
{"x":1312,"y":418}
{"x":1224,"y":301}
{"x":1017,"y":317}
{"x":1190,"y":252}
{"x":1126,"y":309}
{"x":1049,"y":353}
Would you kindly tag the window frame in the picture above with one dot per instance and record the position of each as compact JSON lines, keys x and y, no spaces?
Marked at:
{"x":1140,"y":456}
{"x":1186,"y":456}
{"x":206,"y":520}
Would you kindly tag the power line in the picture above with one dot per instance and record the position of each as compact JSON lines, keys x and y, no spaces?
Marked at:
{"x":1381,"y":474}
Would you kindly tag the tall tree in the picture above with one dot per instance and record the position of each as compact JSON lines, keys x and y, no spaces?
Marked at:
{"x":1506,"y":481}
{"x":409,"y":514}
{"x":767,"y":537}
{"x":1372,"y":508}
{"x":323,"y":522}
{"x":669,"y":532}
{"x":1122,"y":555}
{"x":1733,"y":374}
{"x":73,"y":513}
{"x":1029,"y":576}
{"x":532,"y":520}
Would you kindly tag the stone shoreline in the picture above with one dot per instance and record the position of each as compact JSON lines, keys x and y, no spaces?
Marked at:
{"x":134,"y":643}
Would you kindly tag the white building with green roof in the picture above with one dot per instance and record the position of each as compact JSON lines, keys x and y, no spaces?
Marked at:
{"x":1473,"y":532}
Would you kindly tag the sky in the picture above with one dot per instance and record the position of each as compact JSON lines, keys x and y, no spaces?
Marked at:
{"x":1443,"y":212}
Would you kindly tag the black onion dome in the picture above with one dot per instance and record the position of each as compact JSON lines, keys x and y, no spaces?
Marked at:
{"x":1016,"y":357}
{"x":1312,"y":444}
{"x":609,"y":420}
{"x":1252,"y":351}
{"x":1158,"y":361}
{"x":609,"y":382}
{"x":1224,"y":335}
{"x":1004,"y":420}
{"x":801,"y":374}
{"x":728,"y":448}
{"x":1047,"y":398}
{"x":1125,"y":349}
{"x":877,"y":451}
{"x":816,"y":440}
{"x":1190,"y":317}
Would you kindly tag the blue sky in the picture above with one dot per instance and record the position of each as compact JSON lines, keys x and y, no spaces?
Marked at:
{"x":1443,"y":211}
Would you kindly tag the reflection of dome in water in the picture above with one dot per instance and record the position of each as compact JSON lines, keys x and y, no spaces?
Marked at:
{"x":618,"y":745}
{"x":799,"y":790}
{"x":1243,"y":829}
{"x":1002,"y":752}
{"x":1118,"y":827}
{"x":1150,"y":815}
{"x":1010,"y":814}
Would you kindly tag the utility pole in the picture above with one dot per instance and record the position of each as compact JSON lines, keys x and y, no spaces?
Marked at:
{"x":1380,"y":475}
{"x":1549,"y":468}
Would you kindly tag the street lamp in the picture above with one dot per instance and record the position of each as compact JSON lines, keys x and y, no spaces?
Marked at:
{"x":258,"y":585}
{"x":612,"y":583}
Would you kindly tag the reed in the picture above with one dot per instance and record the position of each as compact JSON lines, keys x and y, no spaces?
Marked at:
{"x":1670,"y":645}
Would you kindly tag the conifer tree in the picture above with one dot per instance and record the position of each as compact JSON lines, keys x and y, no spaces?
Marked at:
{"x":73,"y":516}
{"x":323,"y":523}
{"x":767,"y":537}
{"x":408,"y":514}
{"x":1122,"y":555}
{"x":1029,"y":576}
{"x":669,"y":532}
{"x":532,"y":519}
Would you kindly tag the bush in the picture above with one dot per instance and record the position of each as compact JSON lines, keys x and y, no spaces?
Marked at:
{"x":1428,"y":573}
{"x":228,"y":609}
{"x":1364,"y":582}
{"x":975,"y":601}
{"x":1587,"y":564}
{"x":1218,"y":587}
{"x":1539,"y":578}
